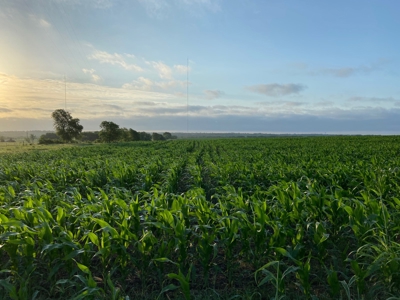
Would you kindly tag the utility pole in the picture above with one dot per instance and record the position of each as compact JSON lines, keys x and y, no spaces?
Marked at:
{"x":187,"y":92}
{"x":65,"y":82}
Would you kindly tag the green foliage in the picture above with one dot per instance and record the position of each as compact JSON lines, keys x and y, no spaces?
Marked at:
{"x":167,"y":135}
{"x":144,"y":136}
{"x":134,"y":135}
{"x":67,"y":128}
{"x":49,"y":138}
{"x":90,"y":136}
{"x":157,"y":137}
{"x":301,"y":218}
{"x":109,"y":132}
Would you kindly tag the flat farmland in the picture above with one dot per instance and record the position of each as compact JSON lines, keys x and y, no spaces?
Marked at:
{"x":271,"y":218}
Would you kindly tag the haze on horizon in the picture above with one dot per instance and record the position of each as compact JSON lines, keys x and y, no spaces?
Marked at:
{"x":254,"y":66}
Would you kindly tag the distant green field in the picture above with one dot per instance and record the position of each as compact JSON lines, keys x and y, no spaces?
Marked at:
{"x":20,"y":147}
{"x":301,"y":218}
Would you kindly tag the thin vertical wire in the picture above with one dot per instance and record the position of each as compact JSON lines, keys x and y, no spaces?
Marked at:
{"x":65,"y":81}
{"x":187,"y":92}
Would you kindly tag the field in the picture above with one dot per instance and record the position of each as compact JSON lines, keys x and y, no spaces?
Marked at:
{"x":273,"y":218}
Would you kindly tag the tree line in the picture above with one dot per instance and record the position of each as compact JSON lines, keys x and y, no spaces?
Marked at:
{"x":69,"y":129}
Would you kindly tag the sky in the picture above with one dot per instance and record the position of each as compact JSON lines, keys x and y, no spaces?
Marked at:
{"x":268,"y":66}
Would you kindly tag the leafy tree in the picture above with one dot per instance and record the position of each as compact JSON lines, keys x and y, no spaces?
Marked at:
{"x":67,"y":128}
{"x":109,"y":131}
{"x":124,"y":134}
{"x":167,"y":135}
{"x":30,"y":139}
{"x":157,"y":137}
{"x":135,"y":136}
{"x":2,"y":139}
{"x":90,"y":136}
{"x":144,"y":136}
{"x":50,"y":136}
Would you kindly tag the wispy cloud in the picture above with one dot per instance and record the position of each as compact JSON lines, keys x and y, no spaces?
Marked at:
{"x":38,"y":21}
{"x":340,"y":72}
{"x":5,"y":110}
{"x":95,"y":77}
{"x":114,"y":59}
{"x":93,"y":103}
{"x":324,"y":103}
{"x":159,"y":8}
{"x":276,"y":90}
{"x":164,"y":71}
{"x":344,"y":72}
{"x":213,"y":94}
{"x":181,"y":69}
{"x":155,"y":8}
{"x":212,"y":5}
{"x":146,"y":84}
{"x":102,"y":4}
{"x":373,"y":99}
{"x":281,"y":103}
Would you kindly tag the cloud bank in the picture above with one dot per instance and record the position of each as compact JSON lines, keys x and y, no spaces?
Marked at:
{"x":114,"y":59}
{"x":148,"y":110}
{"x":213,"y":94}
{"x":276,"y":90}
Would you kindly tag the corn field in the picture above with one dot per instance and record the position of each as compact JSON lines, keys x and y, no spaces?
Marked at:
{"x":277,"y":218}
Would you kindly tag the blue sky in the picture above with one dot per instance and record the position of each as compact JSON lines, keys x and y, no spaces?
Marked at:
{"x":254,"y":66}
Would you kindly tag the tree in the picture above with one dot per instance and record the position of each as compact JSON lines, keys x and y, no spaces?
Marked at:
{"x":144,"y":136}
{"x":90,"y":136}
{"x":67,"y":128}
{"x":124,"y":134}
{"x":30,"y":139}
{"x":157,"y":137}
{"x":167,"y":135}
{"x":49,"y":138}
{"x":135,"y":136}
{"x":109,"y":131}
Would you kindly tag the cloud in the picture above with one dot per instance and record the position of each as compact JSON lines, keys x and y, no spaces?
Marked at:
{"x":212,"y":5}
{"x":163,"y":70}
{"x":27,"y":103}
{"x":276,"y":90}
{"x":114,"y":59}
{"x":159,"y":8}
{"x":166,"y":72}
{"x":101,"y":4}
{"x":324,"y":103}
{"x":154,"y":8}
{"x":294,"y":103}
{"x":281,"y":103}
{"x":146,"y":84}
{"x":40,"y":21}
{"x":372,"y":99}
{"x":213,"y":94}
{"x":350,"y":71}
{"x":341,"y":72}
{"x":181,"y":69}
{"x":95,"y":77}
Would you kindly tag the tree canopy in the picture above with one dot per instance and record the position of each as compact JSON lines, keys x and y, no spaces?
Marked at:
{"x":157,"y":137}
{"x":109,"y":131}
{"x":67,"y":128}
